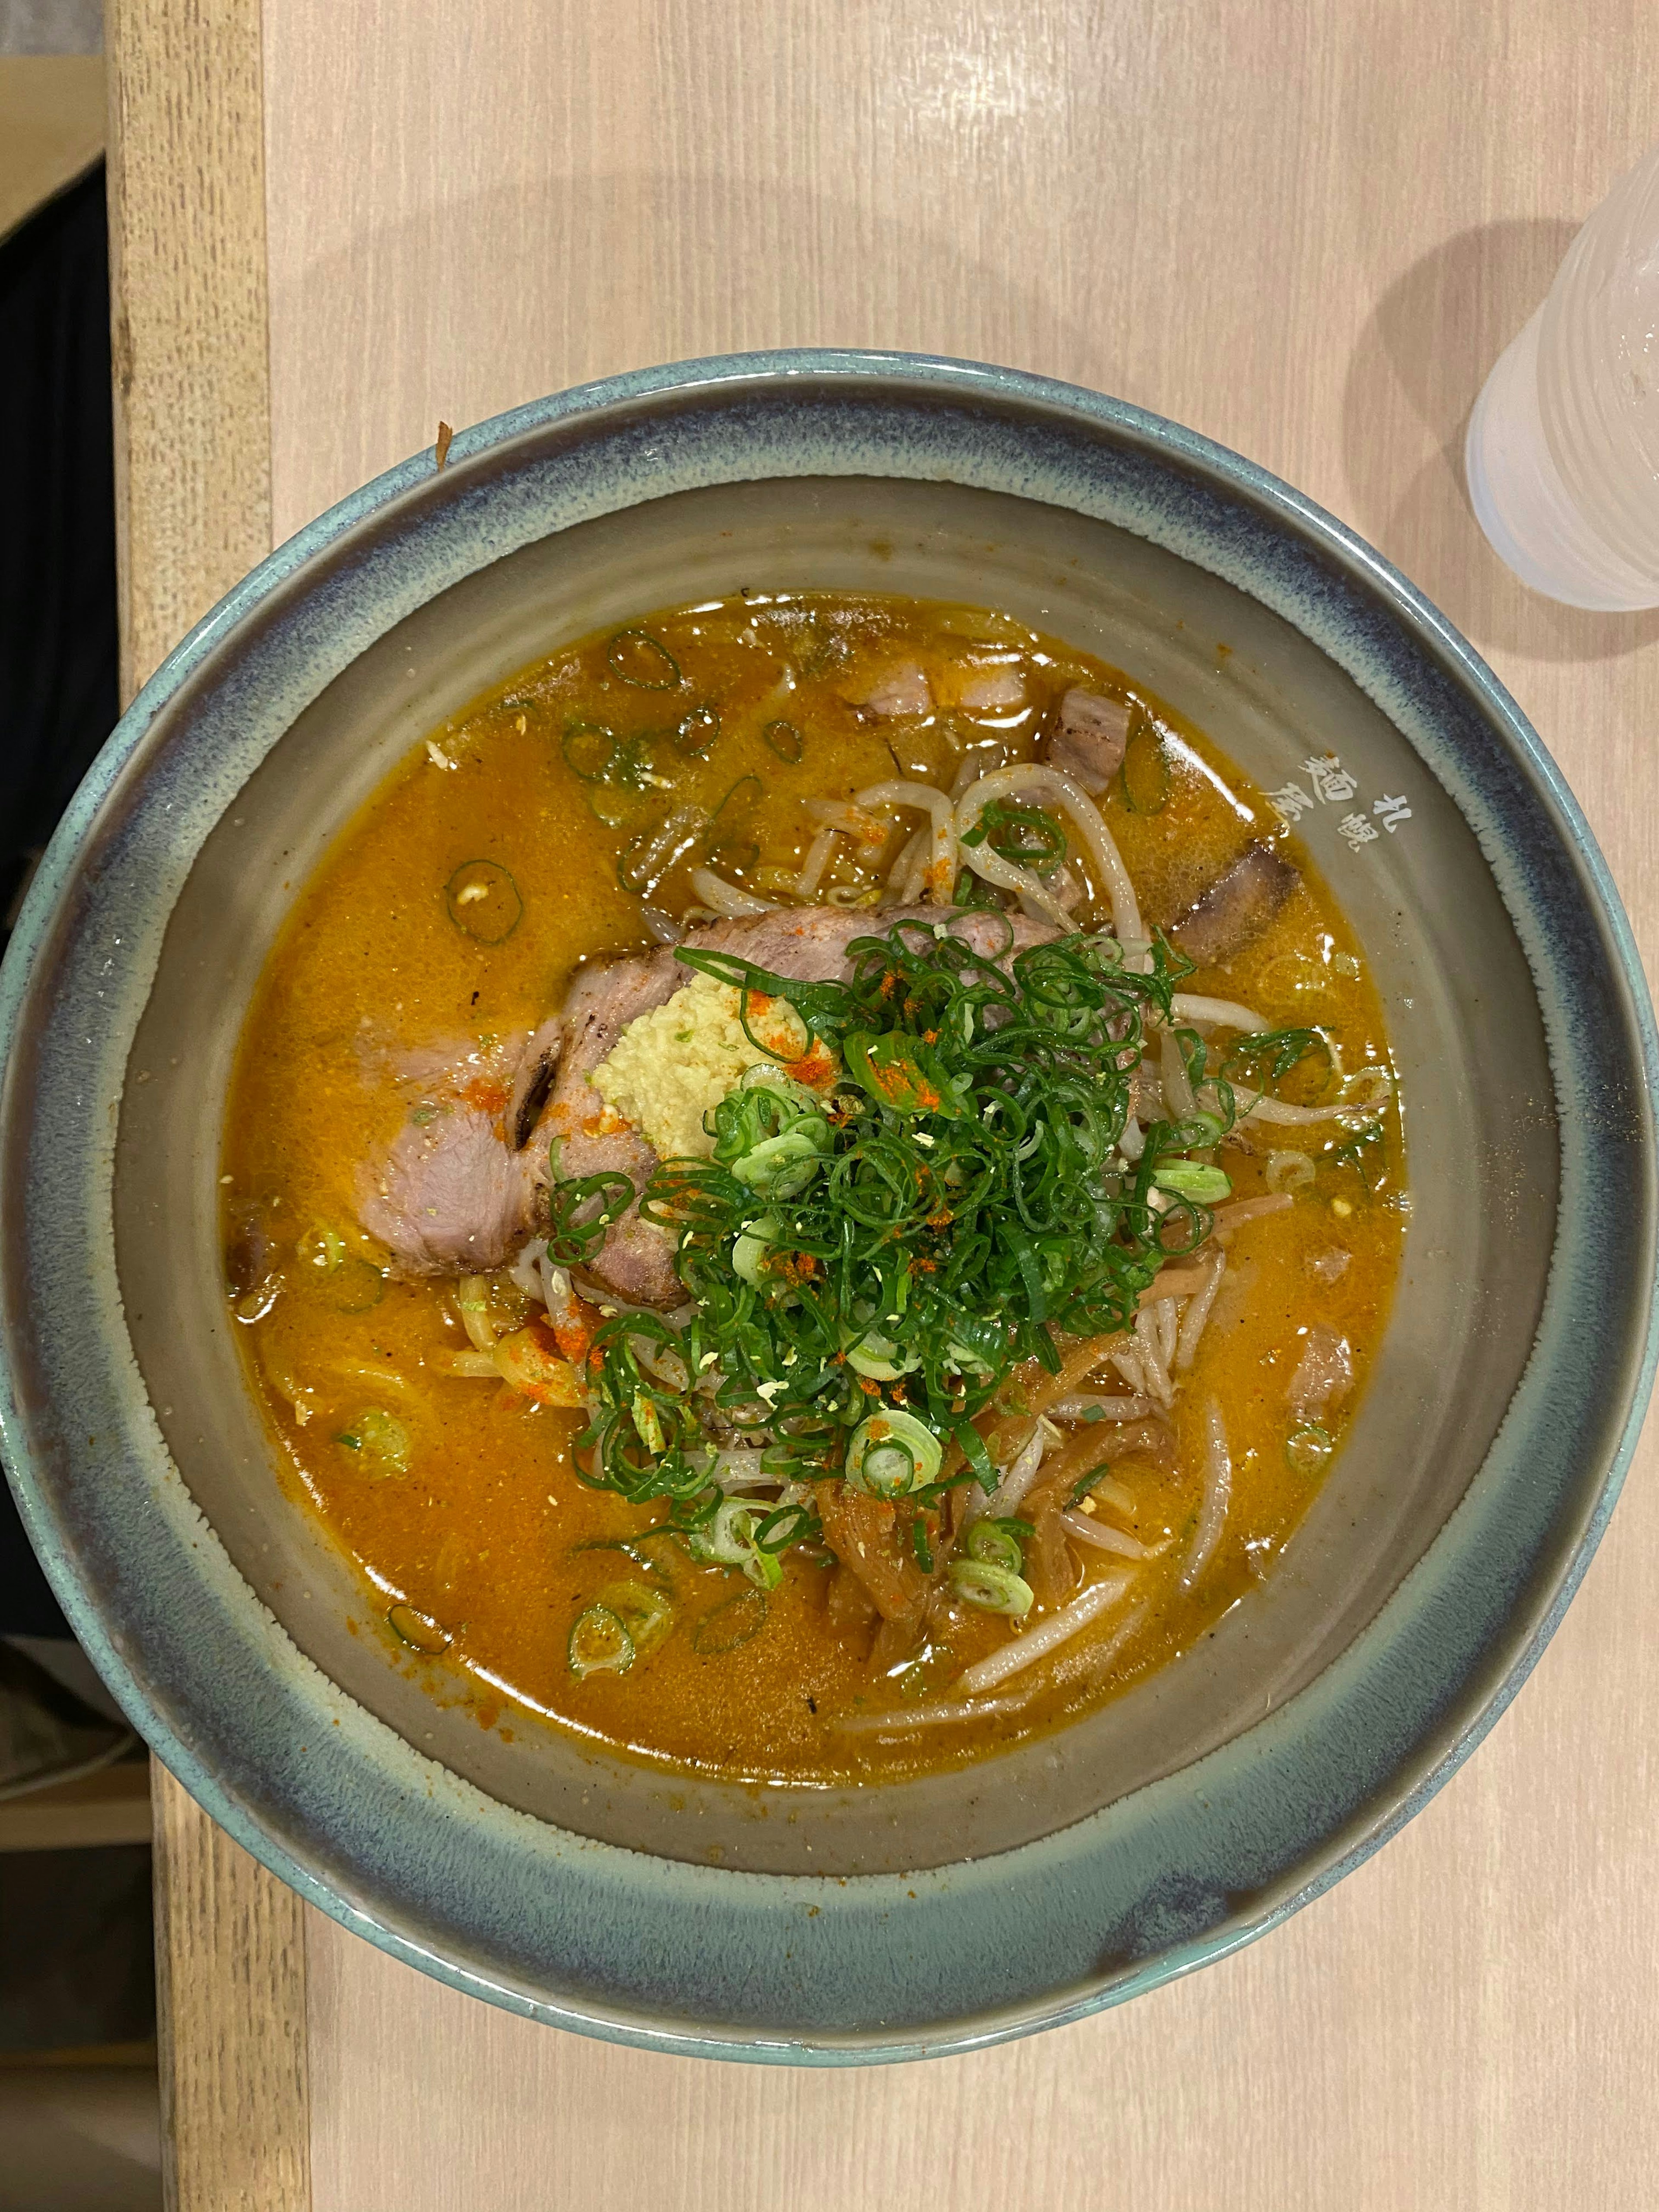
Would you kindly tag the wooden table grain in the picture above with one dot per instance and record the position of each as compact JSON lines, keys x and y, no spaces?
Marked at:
{"x":1305,"y":228}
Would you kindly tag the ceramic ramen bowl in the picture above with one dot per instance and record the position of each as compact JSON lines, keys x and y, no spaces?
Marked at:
{"x":1192,"y":1812}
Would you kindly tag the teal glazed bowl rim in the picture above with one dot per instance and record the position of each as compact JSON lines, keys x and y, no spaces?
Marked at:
{"x":689,"y":1958}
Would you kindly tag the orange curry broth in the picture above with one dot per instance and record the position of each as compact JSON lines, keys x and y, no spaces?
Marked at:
{"x":484,"y":1534}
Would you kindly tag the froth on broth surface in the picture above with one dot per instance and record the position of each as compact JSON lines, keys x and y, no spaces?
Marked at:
{"x":522,"y":844}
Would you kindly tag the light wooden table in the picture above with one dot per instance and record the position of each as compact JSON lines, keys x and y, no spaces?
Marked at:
{"x":1305,"y":229}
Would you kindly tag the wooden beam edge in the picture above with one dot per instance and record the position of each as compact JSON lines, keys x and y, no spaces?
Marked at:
{"x":191,"y":356}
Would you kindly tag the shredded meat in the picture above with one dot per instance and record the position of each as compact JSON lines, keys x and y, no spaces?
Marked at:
{"x":1090,"y":739}
{"x":863,"y":1534}
{"x":1236,"y":907}
{"x":1050,"y":1567}
{"x":853,"y":1611}
{"x":1090,"y":1447}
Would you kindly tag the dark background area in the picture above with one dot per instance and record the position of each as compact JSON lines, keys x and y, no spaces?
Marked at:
{"x":79,"y":2122}
{"x":59,"y":650}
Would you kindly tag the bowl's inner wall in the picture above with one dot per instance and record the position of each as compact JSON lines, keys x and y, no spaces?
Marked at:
{"x":1464,"y":1013}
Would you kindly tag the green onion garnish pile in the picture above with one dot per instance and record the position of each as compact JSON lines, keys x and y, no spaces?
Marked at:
{"x":866,"y":1264}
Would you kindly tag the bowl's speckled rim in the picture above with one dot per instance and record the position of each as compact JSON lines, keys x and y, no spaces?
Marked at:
{"x":694,"y":1958}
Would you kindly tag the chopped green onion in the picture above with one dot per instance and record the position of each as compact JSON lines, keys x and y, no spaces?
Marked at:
{"x":649,"y":1426}
{"x":785,"y":741}
{"x":783,"y":1166}
{"x":973,"y":1447}
{"x":785,"y":1525}
{"x":589,"y":749}
{"x":1200,"y":1131}
{"x":484,"y":902}
{"x":636,"y":658}
{"x":764,"y":1569}
{"x":893,"y":1453}
{"x":599,"y":1200}
{"x":749,"y":1251}
{"x":1270,"y":1055}
{"x":993,"y":1588}
{"x":645,"y":1614}
{"x":994,"y":1544}
{"x":1206,"y":1186}
{"x":321,"y":1248}
{"x":946,"y":1236}
{"x":972,"y":891}
{"x":600,"y":1644}
{"x":382,"y":1440}
{"x":728,"y":1626}
{"x":902,"y":1073}
{"x":878,"y":1357}
{"x":1307,"y":1448}
{"x":1143,"y":777}
{"x":1024,"y":835}
{"x":729,"y":1541}
{"x":1292,"y":1171}
{"x":1367,"y":1153}
{"x":697,"y":731}
{"x":739,"y":803}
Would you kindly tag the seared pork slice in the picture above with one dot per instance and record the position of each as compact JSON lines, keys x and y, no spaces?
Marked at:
{"x":449,"y":1195}
{"x":1236,"y":907}
{"x":455,"y":1190}
{"x":533,"y":1086}
{"x":1088,"y":741}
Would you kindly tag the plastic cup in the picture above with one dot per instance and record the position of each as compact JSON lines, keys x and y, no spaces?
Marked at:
{"x":1562,"y":455}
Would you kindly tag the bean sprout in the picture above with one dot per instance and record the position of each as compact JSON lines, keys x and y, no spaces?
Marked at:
{"x":1102,"y":1537}
{"x":1021,"y":1651}
{"x":1017,"y":1479}
{"x":727,"y":900}
{"x":1093,"y":1407}
{"x":1219,"y":1014}
{"x":1178,"y":1100}
{"x":941,"y":874}
{"x":905,"y":877}
{"x":1218,"y":1496}
{"x":1167,"y":1314}
{"x":1198,"y":1310}
{"x":1041,"y":785}
{"x":817,"y":860}
{"x":1150,"y":1353}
